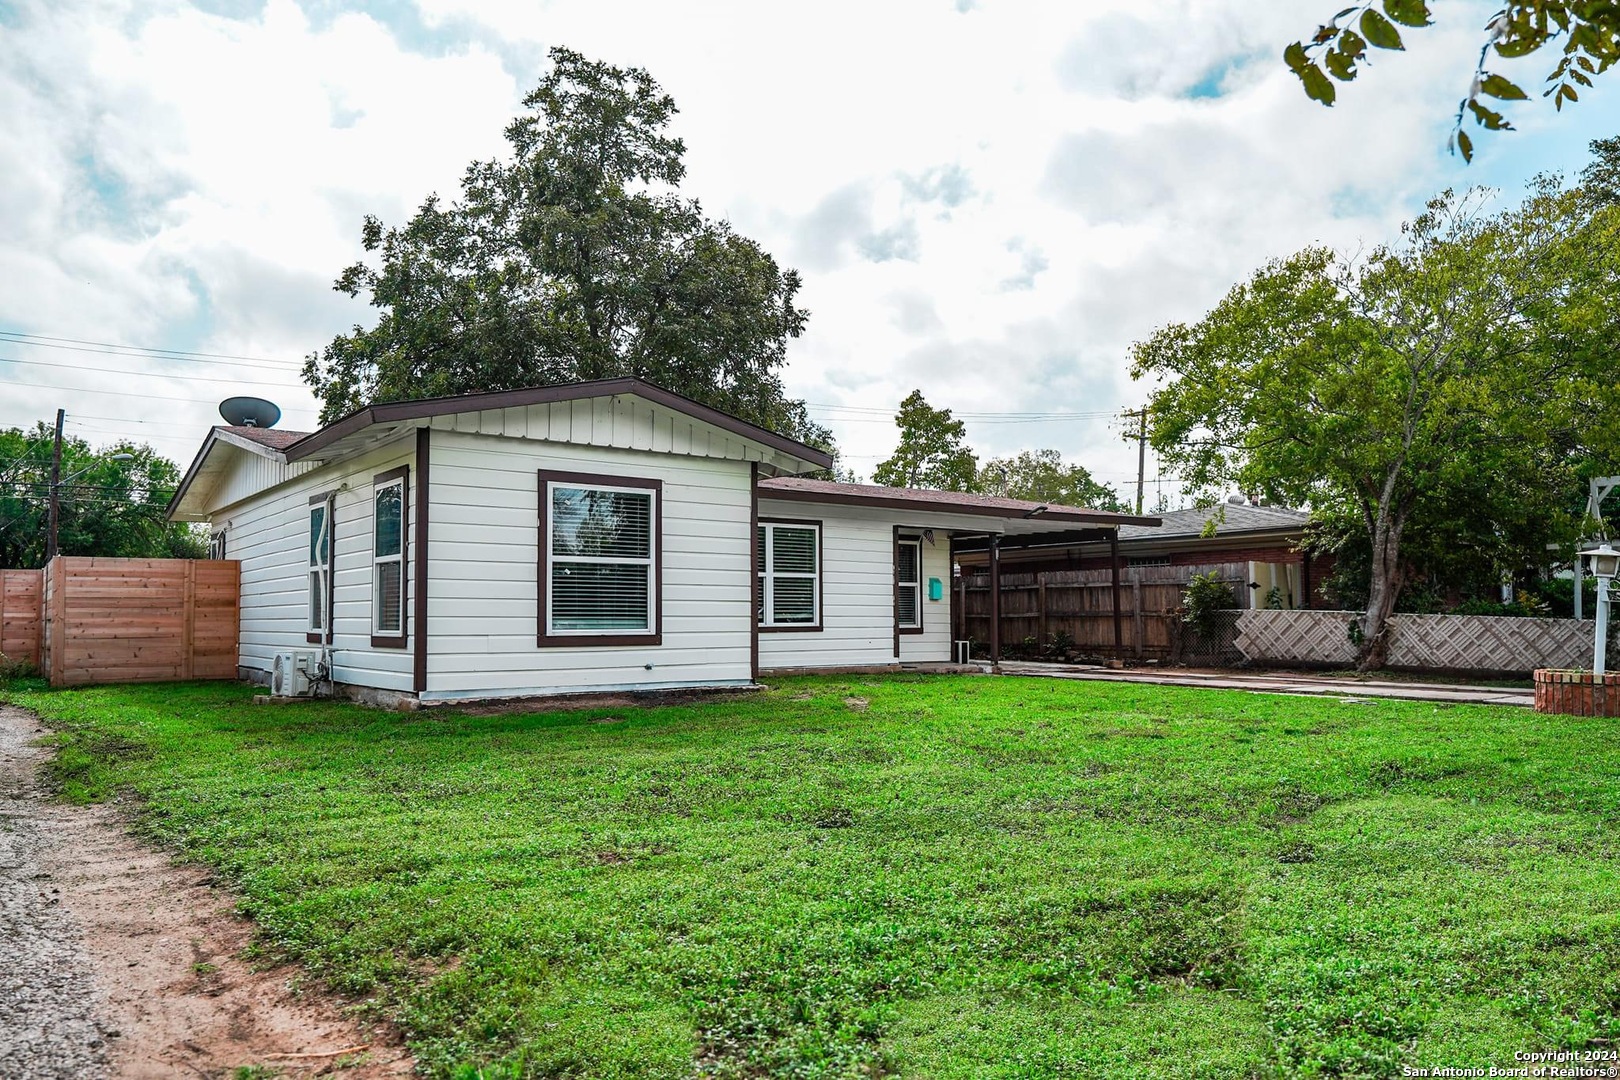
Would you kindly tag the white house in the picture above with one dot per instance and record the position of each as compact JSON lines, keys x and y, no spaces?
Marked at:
{"x":590,"y":537}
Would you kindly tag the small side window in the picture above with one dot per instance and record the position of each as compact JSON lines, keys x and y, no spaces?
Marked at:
{"x":388,"y":558}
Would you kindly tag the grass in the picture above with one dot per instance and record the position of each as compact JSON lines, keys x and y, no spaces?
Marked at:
{"x":940,"y":877}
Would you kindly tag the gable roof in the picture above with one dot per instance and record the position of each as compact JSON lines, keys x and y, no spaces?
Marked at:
{"x":293,"y":446}
{"x":425,"y":408}
{"x":951,"y":502}
{"x":1238,"y":518}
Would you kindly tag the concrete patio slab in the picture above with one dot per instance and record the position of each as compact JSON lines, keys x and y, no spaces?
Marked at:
{"x":1281,"y":682}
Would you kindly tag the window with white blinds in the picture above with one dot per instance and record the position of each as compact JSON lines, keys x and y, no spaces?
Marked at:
{"x":320,"y":564}
{"x":789,"y":569}
{"x":908,"y":584}
{"x":601,"y":559}
{"x":388,"y":558}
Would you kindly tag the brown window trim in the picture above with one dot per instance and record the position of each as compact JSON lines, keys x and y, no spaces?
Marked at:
{"x":401,"y":640}
{"x":821,"y":540}
{"x":330,"y":499}
{"x":909,"y":631}
{"x":546,"y":640}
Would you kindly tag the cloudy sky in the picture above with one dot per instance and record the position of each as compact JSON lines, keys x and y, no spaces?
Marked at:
{"x":989,"y":200}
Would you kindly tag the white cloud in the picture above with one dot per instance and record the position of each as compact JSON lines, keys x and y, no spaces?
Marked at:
{"x":989,"y":201}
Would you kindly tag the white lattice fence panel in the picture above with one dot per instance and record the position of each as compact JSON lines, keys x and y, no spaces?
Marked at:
{"x":1488,"y":643}
{"x":1316,"y":637}
{"x":1460,"y":642}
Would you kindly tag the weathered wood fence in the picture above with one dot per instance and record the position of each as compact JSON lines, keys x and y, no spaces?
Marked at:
{"x":1036,"y":608}
{"x":87,"y":620}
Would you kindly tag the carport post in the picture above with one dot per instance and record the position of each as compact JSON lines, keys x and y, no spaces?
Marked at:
{"x":995,"y":599}
{"x":1113,"y":562}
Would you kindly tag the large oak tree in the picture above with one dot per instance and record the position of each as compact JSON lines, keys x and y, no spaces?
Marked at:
{"x":576,"y":258}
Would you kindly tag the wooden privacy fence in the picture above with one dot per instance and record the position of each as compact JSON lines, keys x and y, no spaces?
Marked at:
{"x":1080,"y":603}
{"x":21,"y":621}
{"x":133,"y":620}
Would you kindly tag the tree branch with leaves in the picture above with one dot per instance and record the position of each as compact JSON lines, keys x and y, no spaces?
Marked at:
{"x":1588,"y":30}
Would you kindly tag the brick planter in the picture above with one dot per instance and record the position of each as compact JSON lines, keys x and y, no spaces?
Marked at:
{"x":1577,"y":693}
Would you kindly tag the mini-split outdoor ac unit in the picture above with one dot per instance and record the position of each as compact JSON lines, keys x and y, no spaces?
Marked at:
{"x":295,"y":674}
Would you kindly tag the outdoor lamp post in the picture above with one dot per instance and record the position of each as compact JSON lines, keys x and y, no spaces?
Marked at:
{"x":1605,"y":563}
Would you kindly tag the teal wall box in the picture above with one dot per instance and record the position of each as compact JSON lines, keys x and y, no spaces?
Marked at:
{"x":936,"y":589}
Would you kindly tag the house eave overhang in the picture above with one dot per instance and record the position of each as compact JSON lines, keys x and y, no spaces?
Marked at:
{"x":201,"y":465}
{"x":400,"y":414}
{"x":1153,"y":545}
{"x":999,"y":521}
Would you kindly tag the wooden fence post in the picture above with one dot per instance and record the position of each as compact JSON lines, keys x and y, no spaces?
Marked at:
{"x":188,"y":659}
{"x":1138,"y":619}
{"x":1040,"y":609}
{"x":56,"y":624}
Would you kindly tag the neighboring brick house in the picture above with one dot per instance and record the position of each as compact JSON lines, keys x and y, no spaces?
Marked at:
{"x":1265,"y":537}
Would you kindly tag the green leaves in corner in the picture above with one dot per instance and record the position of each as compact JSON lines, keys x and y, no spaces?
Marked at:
{"x":1380,"y":31}
{"x":1409,"y":12}
{"x":1343,"y":44}
{"x":1499,"y":87}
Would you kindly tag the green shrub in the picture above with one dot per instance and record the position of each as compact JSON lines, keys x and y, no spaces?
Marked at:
{"x":1205,"y":598}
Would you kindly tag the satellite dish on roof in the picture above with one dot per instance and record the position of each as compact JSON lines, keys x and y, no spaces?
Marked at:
{"x":249,"y":412}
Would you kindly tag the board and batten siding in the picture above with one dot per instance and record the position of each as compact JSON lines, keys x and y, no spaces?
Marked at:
{"x":857,"y":592}
{"x":250,"y":474}
{"x":269,"y":535}
{"x":620,"y":423}
{"x":484,"y":554}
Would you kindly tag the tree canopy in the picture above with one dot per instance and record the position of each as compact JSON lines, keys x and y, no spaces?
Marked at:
{"x":933,"y":450}
{"x":1589,"y":31}
{"x":1449,"y":389}
{"x":575,"y":259}
{"x":112,"y":508}
{"x":1043,"y":476}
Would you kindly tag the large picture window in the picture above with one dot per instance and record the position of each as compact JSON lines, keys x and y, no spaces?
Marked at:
{"x":600,"y":539}
{"x":320,"y":567}
{"x":789,"y":570}
{"x":908,"y":584}
{"x":388,"y":514}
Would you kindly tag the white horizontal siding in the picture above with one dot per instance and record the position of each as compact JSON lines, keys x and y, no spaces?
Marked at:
{"x":483,"y":605}
{"x":857,"y":592}
{"x":269,"y":533}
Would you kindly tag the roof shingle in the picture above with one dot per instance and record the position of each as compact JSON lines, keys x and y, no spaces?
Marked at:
{"x":274,"y":438}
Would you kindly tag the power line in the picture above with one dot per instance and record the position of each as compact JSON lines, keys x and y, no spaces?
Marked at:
{"x":116,"y":393}
{"x":149,"y":374}
{"x":44,"y":341}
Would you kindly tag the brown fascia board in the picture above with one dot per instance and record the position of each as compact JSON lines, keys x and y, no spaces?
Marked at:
{"x":1100,"y":518}
{"x":399,"y":411}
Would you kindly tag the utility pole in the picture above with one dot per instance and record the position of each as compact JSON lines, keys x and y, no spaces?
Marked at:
{"x":1141,"y":455}
{"x":56,"y":490}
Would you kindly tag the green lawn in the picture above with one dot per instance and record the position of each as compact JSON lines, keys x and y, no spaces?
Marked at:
{"x":921,"y":876}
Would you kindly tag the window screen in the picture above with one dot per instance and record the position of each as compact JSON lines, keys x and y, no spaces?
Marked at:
{"x":789,"y":567}
{"x":388,"y":558}
{"x":600,"y":559}
{"x":320,"y":564}
{"x":908,"y":585}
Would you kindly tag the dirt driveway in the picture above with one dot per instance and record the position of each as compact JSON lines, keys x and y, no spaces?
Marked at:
{"x":116,"y":962}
